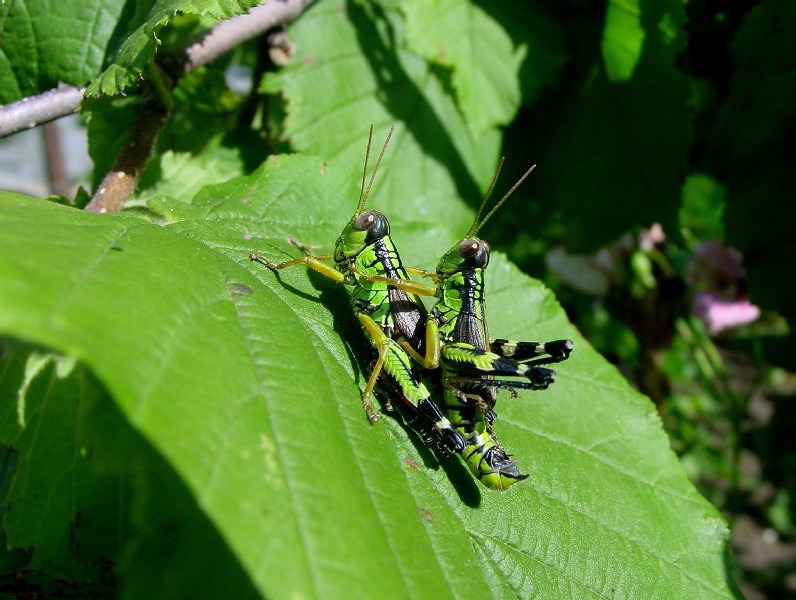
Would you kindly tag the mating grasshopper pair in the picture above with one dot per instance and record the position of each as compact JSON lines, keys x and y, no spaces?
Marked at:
{"x":450,"y":343}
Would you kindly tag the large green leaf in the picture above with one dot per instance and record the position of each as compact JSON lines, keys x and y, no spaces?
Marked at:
{"x":46,"y":42}
{"x":352,"y":69}
{"x":459,"y":35}
{"x":533,"y":25}
{"x":72,"y":41}
{"x":90,"y":489}
{"x":138,"y":48}
{"x":248,"y":384}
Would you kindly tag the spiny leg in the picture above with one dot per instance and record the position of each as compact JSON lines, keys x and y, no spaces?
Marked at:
{"x":309,"y":260}
{"x":478,"y":382}
{"x":367,"y":405}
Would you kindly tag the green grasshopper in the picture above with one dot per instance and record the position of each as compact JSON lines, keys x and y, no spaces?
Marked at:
{"x":365,"y":260}
{"x":468,"y":368}
{"x":460,"y":312}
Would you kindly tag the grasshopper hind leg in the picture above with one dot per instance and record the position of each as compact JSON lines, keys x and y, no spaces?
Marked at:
{"x":466,"y":362}
{"x":533,"y":353}
{"x":394,"y":364}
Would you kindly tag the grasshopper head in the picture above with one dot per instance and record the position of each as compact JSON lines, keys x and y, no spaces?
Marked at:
{"x":363,"y":230}
{"x":470,"y":253}
{"x":366,"y":227}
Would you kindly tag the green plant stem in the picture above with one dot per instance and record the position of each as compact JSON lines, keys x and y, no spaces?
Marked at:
{"x":714,"y":378}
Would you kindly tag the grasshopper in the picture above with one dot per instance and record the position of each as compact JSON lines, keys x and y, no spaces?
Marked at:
{"x":470,"y":362}
{"x":383,"y":299}
{"x":460,"y":314}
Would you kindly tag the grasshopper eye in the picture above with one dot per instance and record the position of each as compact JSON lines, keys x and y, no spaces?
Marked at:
{"x":474,"y":253}
{"x":469,"y":248}
{"x":365,"y":221}
{"x":374,"y":224}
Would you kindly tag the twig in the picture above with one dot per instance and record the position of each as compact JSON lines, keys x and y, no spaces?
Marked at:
{"x":53,"y":153}
{"x":64,"y":100}
{"x":232,"y":32}
{"x":37,"y":110}
{"x":122,"y":179}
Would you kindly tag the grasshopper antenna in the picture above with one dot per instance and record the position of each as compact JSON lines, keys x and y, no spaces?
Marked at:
{"x":363,"y":193}
{"x":476,"y":226}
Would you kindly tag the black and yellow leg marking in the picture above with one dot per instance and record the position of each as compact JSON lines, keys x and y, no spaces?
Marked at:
{"x":533,"y":353}
{"x":466,"y":360}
